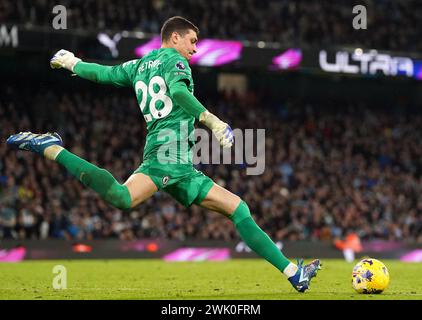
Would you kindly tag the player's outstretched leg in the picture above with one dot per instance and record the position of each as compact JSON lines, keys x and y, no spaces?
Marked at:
{"x":225,"y":202}
{"x":100,"y":180}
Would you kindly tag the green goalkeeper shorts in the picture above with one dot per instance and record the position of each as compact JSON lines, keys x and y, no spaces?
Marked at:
{"x":182,"y":181}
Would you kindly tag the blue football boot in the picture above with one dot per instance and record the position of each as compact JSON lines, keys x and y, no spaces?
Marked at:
{"x":302,"y":279}
{"x":33,"y":141}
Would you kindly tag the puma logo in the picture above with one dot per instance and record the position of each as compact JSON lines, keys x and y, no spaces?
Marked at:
{"x":110,"y":43}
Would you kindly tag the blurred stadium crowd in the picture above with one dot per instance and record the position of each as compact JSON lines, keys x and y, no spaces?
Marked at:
{"x":392,"y":25}
{"x":329,"y":170}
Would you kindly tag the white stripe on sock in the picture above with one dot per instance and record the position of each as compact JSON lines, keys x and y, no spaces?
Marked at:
{"x":290,"y":270}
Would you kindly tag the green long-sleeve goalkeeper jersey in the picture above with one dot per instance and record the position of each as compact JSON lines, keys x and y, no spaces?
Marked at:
{"x":155,"y":78}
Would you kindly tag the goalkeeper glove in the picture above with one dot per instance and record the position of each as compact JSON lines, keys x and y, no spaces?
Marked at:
{"x":222,"y":130}
{"x":64,"y":59}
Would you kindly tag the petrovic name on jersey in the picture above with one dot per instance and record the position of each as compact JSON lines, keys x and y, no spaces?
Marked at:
{"x":149,"y":65}
{"x":144,"y":66}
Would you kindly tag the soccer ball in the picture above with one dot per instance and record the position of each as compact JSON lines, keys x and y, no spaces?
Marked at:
{"x":370,"y":276}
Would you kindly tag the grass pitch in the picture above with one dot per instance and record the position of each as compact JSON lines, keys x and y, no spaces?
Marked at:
{"x":156,"y":280}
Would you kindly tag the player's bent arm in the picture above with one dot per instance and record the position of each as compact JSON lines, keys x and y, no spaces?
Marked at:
{"x":186,"y":100}
{"x":192,"y":106}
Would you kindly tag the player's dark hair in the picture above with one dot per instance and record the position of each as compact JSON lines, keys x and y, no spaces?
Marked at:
{"x":177,"y":24}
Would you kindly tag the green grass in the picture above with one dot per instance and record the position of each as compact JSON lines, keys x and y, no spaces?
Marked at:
{"x":155,"y":280}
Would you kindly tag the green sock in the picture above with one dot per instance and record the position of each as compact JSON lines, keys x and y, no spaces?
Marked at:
{"x":98,"y":179}
{"x":256,"y":239}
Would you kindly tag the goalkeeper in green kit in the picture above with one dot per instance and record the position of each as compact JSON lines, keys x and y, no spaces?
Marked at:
{"x":163,"y":85}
